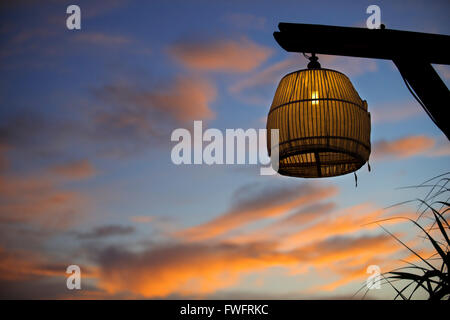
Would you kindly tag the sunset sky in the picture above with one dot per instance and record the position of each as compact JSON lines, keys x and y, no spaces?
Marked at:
{"x":86,"y":176}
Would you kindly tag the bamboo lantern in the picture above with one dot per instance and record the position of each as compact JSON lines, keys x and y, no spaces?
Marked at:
{"x":324,"y":126}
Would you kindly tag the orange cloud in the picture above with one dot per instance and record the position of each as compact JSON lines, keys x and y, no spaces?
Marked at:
{"x":201,"y":269}
{"x":26,"y":274}
{"x":184,"y":269}
{"x":300,"y":219}
{"x":38,"y":200}
{"x":81,"y":169}
{"x":403,"y":147}
{"x":24,"y":265}
{"x":357,"y":273}
{"x":348,"y":221}
{"x":240,"y":55}
{"x":106,"y":231}
{"x":265,"y":205}
{"x":327,"y":241}
{"x":188,"y":99}
{"x":304,"y":216}
{"x":319,"y":222}
{"x":345,"y":251}
{"x":386,"y":255}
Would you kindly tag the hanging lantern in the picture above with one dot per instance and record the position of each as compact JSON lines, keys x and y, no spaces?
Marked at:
{"x":324,"y":126}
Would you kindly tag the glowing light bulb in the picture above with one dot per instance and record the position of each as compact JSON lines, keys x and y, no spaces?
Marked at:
{"x":315,"y":96}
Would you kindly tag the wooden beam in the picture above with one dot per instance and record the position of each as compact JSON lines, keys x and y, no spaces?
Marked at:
{"x":362,"y":42}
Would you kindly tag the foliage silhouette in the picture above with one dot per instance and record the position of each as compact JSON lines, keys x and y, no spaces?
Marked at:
{"x":430,"y":275}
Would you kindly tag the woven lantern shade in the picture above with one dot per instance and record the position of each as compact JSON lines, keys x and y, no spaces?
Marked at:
{"x":324,"y":126}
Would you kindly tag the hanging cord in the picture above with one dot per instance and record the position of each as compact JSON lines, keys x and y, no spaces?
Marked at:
{"x":368,"y":165}
{"x":356,"y":180}
{"x":418,"y":99}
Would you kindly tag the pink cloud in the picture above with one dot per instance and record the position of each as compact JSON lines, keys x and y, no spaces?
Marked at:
{"x":39,"y":200}
{"x":258,"y":207}
{"x":403,"y":147}
{"x":145,"y":110}
{"x":241,"y":55}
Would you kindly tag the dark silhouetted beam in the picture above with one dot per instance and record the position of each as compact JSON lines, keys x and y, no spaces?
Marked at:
{"x":362,"y":42}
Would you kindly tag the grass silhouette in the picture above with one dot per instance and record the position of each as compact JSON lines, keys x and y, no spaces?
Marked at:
{"x":430,"y":275}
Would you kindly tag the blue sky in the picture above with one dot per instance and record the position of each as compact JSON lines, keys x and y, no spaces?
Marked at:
{"x":86,"y":175}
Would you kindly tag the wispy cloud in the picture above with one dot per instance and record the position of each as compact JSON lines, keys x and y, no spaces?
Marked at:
{"x":80,"y":169}
{"x":115,"y":118}
{"x":354,"y":255}
{"x":261,"y":205}
{"x":40,"y":197}
{"x":442,"y":147}
{"x":106,"y":232}
{"x":249,"y":89}
{"x":26,"y":274}
{"x":200,"y":269}
{"x":394,"y":112}
{"x":259,"y":86}
{"x":314,"y":236}
{"x":241,"y":55}
{"x":409,"y":146}
{"x":343,"y":223}
{"x":350,"y":66}
{"x":184,"y":269}
{"x":39,"y":200}
{"x":302,"y":217}
{"x":24,"y":265}
{"x":147,"y":110}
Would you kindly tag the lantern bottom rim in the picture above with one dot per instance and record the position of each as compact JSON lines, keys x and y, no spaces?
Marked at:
{"x":319,"y":162}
